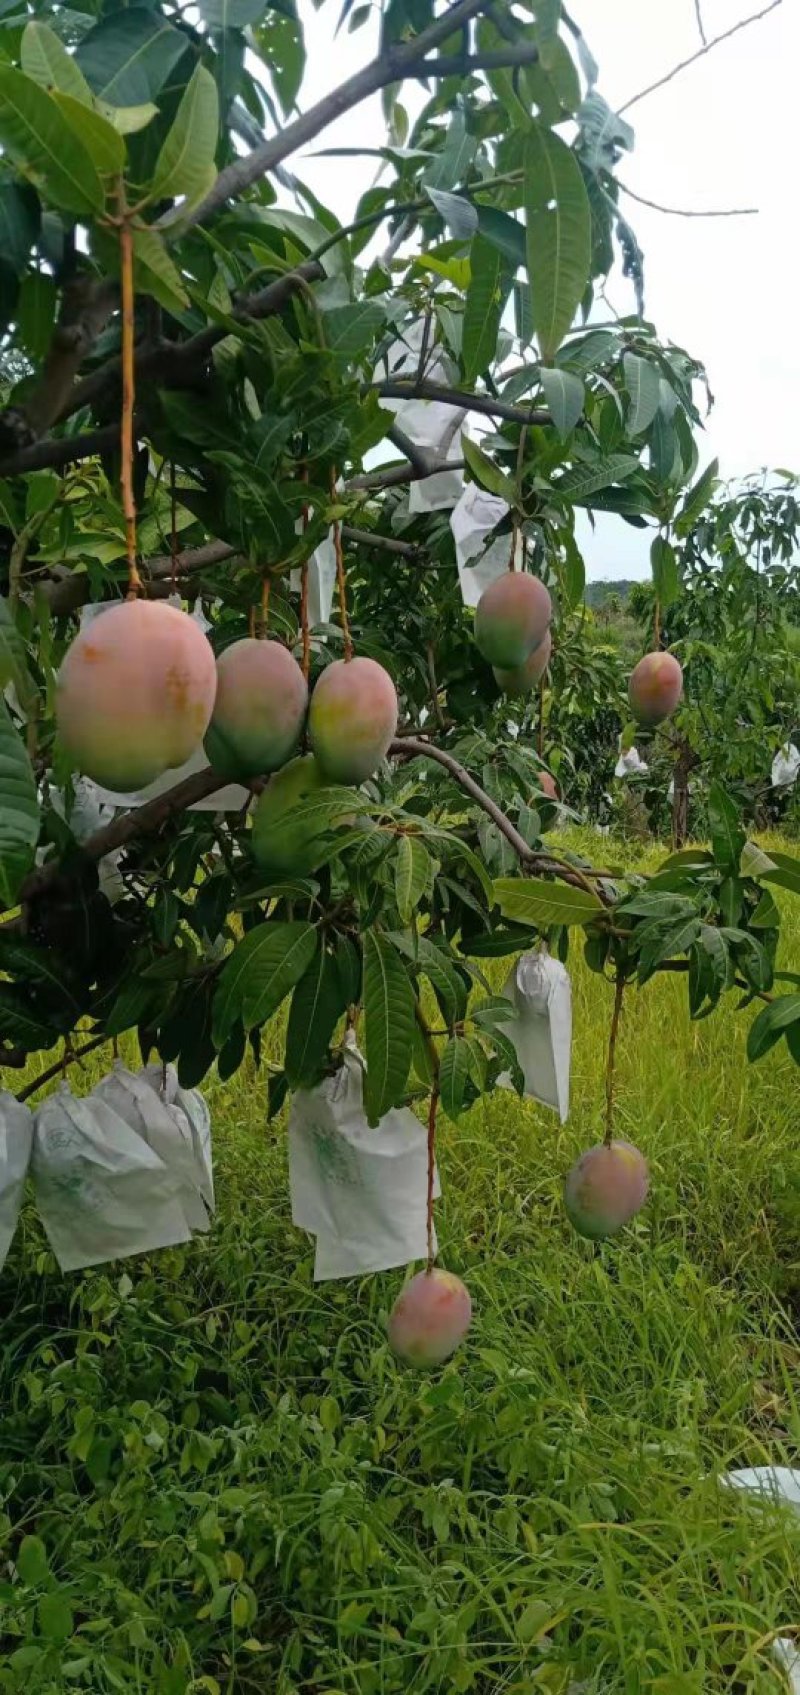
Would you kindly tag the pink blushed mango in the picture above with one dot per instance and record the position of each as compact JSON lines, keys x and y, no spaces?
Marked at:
{"x":511,"y":618}
{"x":654,"y":688}
{"x":352,"y":719}
{"x":135,"y":693}
{"x":259,"y":712}
{"x":429,"y":1319}
{"x":547,"y":784}
{"x":525,"y":677}
{"x":605,"y":1189}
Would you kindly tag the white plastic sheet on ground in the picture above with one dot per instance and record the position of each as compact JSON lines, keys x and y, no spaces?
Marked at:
{"x":361,"y":1192}
{"x":101,"y":1192}
{"x":630,"y":764}
{"x":190,"y":1108}
{"x":165,"y":1129}
{"x":16,"y":1143}
{"x":778,"y":1485}
{"x":472,"y":521}
{"x":785,"y":767}
{"x":541,"y":1029}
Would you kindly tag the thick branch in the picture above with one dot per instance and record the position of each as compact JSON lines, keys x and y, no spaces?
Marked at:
{"x":86,"y":307}
{"x":393,"y":64}
{"x":55,"y":454}
{"x":65,"y":594}
{"x":486,"y":404}
{"x":387,"y":544}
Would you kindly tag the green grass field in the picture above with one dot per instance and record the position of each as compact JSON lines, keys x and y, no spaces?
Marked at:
{"x":237,"y":1488}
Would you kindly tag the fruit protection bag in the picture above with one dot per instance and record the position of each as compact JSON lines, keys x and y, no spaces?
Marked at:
{"x":16,"y":1143}
{"x":630,"y":763}
{"x":785,"y":767}
{"x":472,"y":521}
{"x":775,"y":1485}
{"x":101,"y":1192}
{"x":166,"y":1129}
{"x":190,"y":1107}
{"x":361,"y":1192}
{"x":541,"y":1028}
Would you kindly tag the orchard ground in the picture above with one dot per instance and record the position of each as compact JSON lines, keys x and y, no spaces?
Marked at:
{"x":238,"y":1489}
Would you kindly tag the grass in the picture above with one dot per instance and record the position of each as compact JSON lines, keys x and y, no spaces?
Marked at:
{"x":237,"y":1489}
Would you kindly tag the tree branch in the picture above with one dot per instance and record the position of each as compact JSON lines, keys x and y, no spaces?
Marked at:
{"x":86,"y":306}
{"x":486,"y":404}
{"x":57,"y":452}
{"x":393,"y":64}
{"x":700,"y":54}
{"x":65,"y":594}
{"x":679,"y":212}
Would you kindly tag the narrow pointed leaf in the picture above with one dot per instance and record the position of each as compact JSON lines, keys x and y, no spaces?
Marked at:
{"x":317,"y":1005}
{"x":565,"y":395}
{"x":46,"y":60}
{"x":486,"y":297}
{"x":262,"y":969}
{"x":183,"y":163}
{"x":411,"y":872}
{"x":36,"y":136}
{"x":559,"y":235}
{"x":643,"y":384}
{"x":532,"y":900}
{"x":388,"y":1025}
{"x":19,"y":810}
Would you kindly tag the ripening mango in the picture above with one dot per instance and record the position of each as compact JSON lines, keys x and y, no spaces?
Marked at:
{"x":547,"y":784}
{"x":429,"y":1319}
{"x":654,"y":688}
{"x":135,"y":693}
{"x":605,"y":1189}
{"x":282,"y":846}
{"x":511,"y":618}
{"x":352,"y":719}
{"x":525,"y":677}
{"x":259,"y":712}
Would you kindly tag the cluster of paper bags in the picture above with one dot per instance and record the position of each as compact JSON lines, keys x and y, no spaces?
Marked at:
{"x":124,"y":1170}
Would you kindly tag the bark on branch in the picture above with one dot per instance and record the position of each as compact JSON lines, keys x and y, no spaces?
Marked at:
{"x":86,"y":306}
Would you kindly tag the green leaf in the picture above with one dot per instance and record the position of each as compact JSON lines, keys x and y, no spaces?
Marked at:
{"x":317,"y":1005}
{"x":37,"y":137}
{"x":184,"y":163}
{"x":45,"y":59}
{"x":582,"y":481}
{"x":558,"y":235}
{"x":259,"y":973}
{"x":36,"y":311}
{"x":20,"y":220}
{"x":20,"y":1023}
{"x":486,"y":473}
{"x":154,"y":272}
{"x":103,"y":141}
{"x":31,"y":1561}
{"x":504,"y":233}
{"x":230,"y":14}
{"x":128,"y":120}
{"x":388,"y":1026}
{"x":56,"y":1619}
{"x":19,"y":811}
{"x":664,"y":566}
{"x":351,"y":330}
{"x":454,"y":1077}
{"x":483,"y":310}
{"x":412,"y":869}
{"x":533,"y":900}
{"x":280,"y":40}
{"x":127,"y":58}
{"x":459,"y":214}
{"x":727,"y":835}
{"x":770,"y":1025}
{"x":451,"y":165}
{"x":565,"y":396}
{"x":642,"y":383}
{"x":697,"y":498}
{"x":663,"y":446}
{"x":766,"y":915}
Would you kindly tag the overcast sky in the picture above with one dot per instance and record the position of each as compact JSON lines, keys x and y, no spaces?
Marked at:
{"x":722,"y":134}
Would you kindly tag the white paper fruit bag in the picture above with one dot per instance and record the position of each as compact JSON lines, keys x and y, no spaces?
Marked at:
{"x":101,"y":1192}
{"x":16,"y":1142}
{"x":361,"y":1192}
{"x":165,"y":1129}
{"x":541,"y":1029}
{"x":190,"y":1109}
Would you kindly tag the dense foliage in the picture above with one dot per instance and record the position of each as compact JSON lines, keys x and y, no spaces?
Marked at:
{"x":269,"y":343}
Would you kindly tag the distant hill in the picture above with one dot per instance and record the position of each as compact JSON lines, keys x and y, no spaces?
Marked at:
{"x":597,"y":593}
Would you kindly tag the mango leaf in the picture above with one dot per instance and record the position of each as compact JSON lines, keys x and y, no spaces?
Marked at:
{"x":486,"y":473}
{"x":770,"y":1025}
{"x":565,"y":395}
{"x":154,"y":272}
{"x":280,"y":40}
{"x":412,"y":868}
{"x":642,"y":383}
{"x":36,"y":311}
{"x":388,"y":1025}
{"x":697,"y":499}
{"x":451,"y":165}
{"x":21,"y":1024}
{"x":558,"y":235}
{"x":182,"y":167}
{"x":20,"y":220}
{"x":727,"y":835}
{"x":103,"y":141}
{"x":584,"y":480}
{"x":504,"y":233}
{"x":230,"y":14}
{"x":36,"y":136}
{"x":454,"y":1077}
{"x":483,"y":310}
{"x":533,"y":900}
{"x":459,"y":214}
{"x":262,"y":969}
{"x":351,"y":330}
{"x":317,"y":1005}
{"x":664,"y":566}
{"x":128,"y":120}
{"x":45,"y":59}
{"x":441,"y":971}
{"x":19,"y":810}
{"x":127,"y":58}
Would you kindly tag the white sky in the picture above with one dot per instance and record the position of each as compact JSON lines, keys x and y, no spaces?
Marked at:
{"x":723,"y":134}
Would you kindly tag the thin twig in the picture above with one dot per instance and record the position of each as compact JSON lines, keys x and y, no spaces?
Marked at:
{"x":700,"y":54}
{"x":432,"y":1111}
{"x":699,"y":16}
{"x":128,"y":396}
{"x":341,"y":583}
{"x":683,"y":212}
{"x":57,"y":1070}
